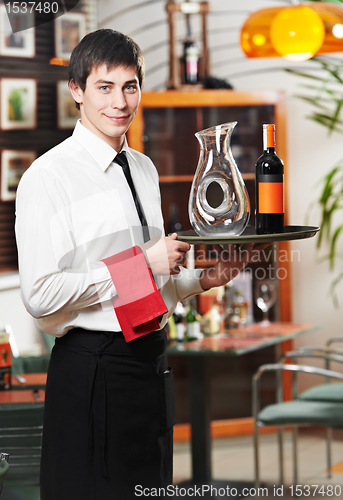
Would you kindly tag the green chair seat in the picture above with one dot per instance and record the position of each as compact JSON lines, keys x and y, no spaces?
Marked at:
{"x":30,"y":364}
{"x":324,"y":392}
{"x":303,"y":413}
{"x":48,"y":340}
{"x":21,"y":414}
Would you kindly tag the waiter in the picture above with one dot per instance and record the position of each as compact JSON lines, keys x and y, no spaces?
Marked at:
{"x":98,"y":273}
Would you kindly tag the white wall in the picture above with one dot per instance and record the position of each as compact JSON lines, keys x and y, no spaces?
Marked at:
{"x":310,"y":151}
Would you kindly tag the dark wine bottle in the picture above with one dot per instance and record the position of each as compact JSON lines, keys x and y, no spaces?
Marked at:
{"x":190,"y":56}
{"x":269,"y":186}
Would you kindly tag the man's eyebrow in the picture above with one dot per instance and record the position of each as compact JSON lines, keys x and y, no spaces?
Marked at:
{"x":105,"y":82}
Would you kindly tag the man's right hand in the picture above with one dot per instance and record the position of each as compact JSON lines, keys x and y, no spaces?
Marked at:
{"x":165,"y":255}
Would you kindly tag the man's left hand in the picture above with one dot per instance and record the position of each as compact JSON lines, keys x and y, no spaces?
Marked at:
{"x":229,"y":264}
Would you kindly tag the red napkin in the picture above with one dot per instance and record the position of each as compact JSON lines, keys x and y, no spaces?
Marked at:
{"x":139,"y":302}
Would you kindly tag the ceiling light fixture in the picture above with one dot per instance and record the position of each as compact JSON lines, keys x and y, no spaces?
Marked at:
{"x":296,"y":32}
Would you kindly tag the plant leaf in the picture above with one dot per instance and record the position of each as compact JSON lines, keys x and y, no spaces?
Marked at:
{"x":333,"y":245}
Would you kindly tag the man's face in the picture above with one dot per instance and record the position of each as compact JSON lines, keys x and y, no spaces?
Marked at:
{"x":109,"y":102}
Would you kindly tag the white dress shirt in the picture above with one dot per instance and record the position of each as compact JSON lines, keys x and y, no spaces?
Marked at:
{"x":73,"y":209}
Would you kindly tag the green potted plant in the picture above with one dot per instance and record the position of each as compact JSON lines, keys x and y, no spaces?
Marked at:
{"x":324,"y":91}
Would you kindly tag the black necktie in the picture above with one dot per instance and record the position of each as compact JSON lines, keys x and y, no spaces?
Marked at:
{"x":122,"y":161}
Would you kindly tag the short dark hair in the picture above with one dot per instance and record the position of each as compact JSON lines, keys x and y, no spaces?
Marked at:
{"x":104,"y":46}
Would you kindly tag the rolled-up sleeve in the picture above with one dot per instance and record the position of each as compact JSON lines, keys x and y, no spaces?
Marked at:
{"x":187,"y":283}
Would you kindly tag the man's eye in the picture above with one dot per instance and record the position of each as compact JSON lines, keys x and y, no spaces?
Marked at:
{"x":105,"y":88}
{"x":131,"y":88}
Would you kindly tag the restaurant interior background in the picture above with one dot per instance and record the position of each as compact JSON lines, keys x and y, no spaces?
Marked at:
{"x":311,"y":152}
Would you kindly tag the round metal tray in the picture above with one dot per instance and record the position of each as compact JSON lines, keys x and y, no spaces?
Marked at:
{"x":249,"y":236}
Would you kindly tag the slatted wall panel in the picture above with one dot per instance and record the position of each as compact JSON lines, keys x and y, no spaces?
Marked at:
{"x":8,"y":249}
{"x":46,"y":135}
{"x":147,"y":23}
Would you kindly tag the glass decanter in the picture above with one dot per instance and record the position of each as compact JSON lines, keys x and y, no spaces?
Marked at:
{"x":217,"y":165}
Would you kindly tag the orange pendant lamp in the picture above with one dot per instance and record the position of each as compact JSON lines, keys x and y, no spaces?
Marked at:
{"x":296,"y":32}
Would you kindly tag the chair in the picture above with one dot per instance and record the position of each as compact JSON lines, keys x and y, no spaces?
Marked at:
{"x":292,"y":413}
{"x":21,"y":427}
{"x":326,"y":392}
{"x":48,"y":341}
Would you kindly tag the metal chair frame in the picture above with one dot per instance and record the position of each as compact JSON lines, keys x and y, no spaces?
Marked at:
{"x":329,"y":355}
{"x":7,"y":433}
{"x":280,"y":368}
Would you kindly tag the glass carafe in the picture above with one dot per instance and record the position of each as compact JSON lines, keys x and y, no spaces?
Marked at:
{"x":217,"y":165}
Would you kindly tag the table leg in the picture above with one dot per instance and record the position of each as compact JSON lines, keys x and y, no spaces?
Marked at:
{"x":202,"y":483}
{"x":200,"y":420}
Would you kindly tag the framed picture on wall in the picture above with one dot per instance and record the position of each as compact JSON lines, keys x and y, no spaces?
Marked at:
{"x":18,"y":97}
{"x":22,"y":42}
{"x":67,"y":114}
{"x":13,"y":164}
{"x":69,"y":29}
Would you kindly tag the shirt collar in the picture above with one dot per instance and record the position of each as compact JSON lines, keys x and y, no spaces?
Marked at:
{"x":125,"y":148}
{"x":102,"y":153}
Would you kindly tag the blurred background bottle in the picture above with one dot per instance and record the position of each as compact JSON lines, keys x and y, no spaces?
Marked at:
{"x":179,"y":317}
{"x":190,"y":56}
{"x":239,"y":308}
{"x":193,"y":318}
{"x":212,"y":322}
{"x":191,"y":61}
{"x":238,"y":302}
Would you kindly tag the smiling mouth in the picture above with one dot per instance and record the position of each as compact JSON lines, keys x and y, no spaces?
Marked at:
{"x":117,"y":118}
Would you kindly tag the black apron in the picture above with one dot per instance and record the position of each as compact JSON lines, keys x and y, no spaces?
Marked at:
{"x":109,"y":413}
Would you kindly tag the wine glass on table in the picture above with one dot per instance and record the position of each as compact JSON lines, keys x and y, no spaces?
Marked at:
{"x":265,"y":297}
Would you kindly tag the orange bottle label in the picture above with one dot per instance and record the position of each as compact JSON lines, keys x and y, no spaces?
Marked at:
{"x":270,"y":196}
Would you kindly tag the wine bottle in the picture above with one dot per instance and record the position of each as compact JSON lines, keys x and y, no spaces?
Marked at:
{"x":190,"y":56}
{"x":192,"y":321}
{"x":179,"y":320}
{"x":269,"y":186}
{"x":172,"y":334}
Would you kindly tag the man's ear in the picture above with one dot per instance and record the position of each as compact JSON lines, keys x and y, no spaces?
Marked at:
{"x":76,"y":92}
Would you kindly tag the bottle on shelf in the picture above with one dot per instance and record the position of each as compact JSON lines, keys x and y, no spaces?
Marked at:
{"x":235,"y":309}
{"x":239,"y":306}
{"x":190,"y":57}
{"x":5,"y":361}
{"x":193,"y":330}
{"x":269,"y":186}
{"x":171,"y":330}
{"x":211,"y":321}
{"x":179,"y":315}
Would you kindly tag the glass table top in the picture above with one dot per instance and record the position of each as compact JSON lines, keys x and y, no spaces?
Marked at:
{"x":240,"y":341}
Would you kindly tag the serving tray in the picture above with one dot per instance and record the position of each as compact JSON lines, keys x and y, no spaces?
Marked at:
{"x":249,"y":236}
